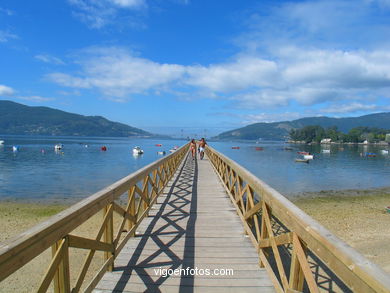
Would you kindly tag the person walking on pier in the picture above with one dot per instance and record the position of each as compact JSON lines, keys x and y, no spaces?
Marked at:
{"x":193,"y":148}
{"x":202,"y":146}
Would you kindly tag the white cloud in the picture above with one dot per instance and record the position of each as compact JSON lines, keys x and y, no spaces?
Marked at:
{"x":293,"y":75}
{"x":6,"y":36}
{"x":350,"y":108}
{"x":6,"y":90}
{"x":37,"y":99}
{"x":270,"y":117}
{"x":238,"y":75}
{"x":99,"y":13}
{"x":116,"y":72}
{"x":49,"y":59}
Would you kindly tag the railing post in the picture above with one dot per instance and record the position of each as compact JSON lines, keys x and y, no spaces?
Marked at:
{"x":62,"y":276}
{"x":109,"y":234}
{"x":131,"y":198}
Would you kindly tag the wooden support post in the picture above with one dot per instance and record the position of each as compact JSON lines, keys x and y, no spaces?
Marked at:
{"x":109,"y":234}
{"x":131,"y":198}
{"x":62,"y":275}
{"x":296,"y":274}
{"x":145,"y":191}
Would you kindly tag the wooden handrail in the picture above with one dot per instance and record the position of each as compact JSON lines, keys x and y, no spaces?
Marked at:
{"x":55,"y":232}
{"x":258,"y":205}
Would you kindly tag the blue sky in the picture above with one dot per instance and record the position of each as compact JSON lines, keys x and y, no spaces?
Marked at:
{"x":201,"y":66}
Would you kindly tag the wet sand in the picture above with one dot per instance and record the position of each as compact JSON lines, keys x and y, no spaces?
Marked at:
{"x":358,"y":217}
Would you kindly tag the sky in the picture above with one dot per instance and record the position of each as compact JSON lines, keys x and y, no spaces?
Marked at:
{"x":197,"y":67}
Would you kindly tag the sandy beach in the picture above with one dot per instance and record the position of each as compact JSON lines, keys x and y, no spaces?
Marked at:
{"x":356,"y":216}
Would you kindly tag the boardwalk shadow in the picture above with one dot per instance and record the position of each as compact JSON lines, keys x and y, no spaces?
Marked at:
{"x":178,"y":215}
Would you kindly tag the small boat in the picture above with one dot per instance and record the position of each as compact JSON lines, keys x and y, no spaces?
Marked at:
{"x":1,"y":142}
{"x":172,"y":150}
{"x":162,"y":153}
{"x":303,"y":153}
{"x":384,"y":152}
{"x":308,"y":157}
{"x":103,"y":148}
{"x":370,"y":155}
{"x":15,"y":148}
{"x":326,"y":151}
{"x":235,"y":148}
{"x":158,"y":145}
{"x":259,"y":148}
{"x":302,"y":160}
{"x":58,"y":146}
{"x":137,"y":151}
{"x":287,"y":148}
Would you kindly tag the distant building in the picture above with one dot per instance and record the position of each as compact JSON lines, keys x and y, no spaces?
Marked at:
{"x":326,"y":140}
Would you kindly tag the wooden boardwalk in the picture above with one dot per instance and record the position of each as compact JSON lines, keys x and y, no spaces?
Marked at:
{"x":193,"y":225}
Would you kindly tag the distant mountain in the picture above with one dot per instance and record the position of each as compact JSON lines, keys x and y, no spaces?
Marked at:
{"x":280,"y":130}
{"x":21,"y":119}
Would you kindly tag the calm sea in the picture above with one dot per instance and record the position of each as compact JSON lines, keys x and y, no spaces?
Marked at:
{"x":36,"y":171}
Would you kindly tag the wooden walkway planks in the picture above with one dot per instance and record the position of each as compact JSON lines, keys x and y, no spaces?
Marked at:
{"x":192,"y":225}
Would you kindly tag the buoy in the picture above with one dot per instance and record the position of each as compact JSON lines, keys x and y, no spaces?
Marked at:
{"x":158,"y":145}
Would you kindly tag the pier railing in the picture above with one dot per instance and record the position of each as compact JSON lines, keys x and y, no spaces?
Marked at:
{"x":140,"y":190}
{"x":298,"y":253}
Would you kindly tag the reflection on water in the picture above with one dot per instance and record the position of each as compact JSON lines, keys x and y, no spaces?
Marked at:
{"x":81,"y":168}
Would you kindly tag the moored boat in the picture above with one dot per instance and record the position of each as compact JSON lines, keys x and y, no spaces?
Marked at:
{"x":1,"y":142}
{"x":235,"y":148}
{"x":161,"y":153}
{"x":58,"y":146}
{"x":308,"y":157}
{"x":384,"y":152}
{"x":137,"y":151}
{"x":302,"y":160}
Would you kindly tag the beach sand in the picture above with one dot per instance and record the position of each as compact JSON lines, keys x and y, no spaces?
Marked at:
{"x":356,"y":216}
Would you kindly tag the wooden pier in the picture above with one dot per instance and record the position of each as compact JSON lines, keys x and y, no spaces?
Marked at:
{"x":184,"y":225}
{"x":192,"y":225}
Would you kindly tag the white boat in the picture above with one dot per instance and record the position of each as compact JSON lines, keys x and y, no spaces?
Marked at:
{"x":15,"y":148}
{"x":172,"y":150}
{"x":1,"y":142}
{"x":308,"y":157}
{"x":326,"y":151}
{"x":58,"y":146}
{"x":161,"y":153}
{"x":137,"y":151}
{"x":384,"y":152}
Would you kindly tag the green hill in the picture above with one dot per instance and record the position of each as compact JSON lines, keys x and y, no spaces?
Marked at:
{"x":280,"y":130}
{"x":21,"y":119}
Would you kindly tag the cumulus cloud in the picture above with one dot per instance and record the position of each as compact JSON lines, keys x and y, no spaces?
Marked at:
{"x":6,"y":91}
{"x":49,"y":59}
{"x":306,"y":77}
{"x":116,"y":72}
{"x":99,"y":13}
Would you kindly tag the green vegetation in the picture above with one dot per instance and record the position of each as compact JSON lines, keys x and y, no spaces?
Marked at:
{"x":281,"y":130}
{"x":20,"y":119}
{"x":315,"y":133}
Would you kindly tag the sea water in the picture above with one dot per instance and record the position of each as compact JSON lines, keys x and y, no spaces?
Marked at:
{"x":80,"y":168}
